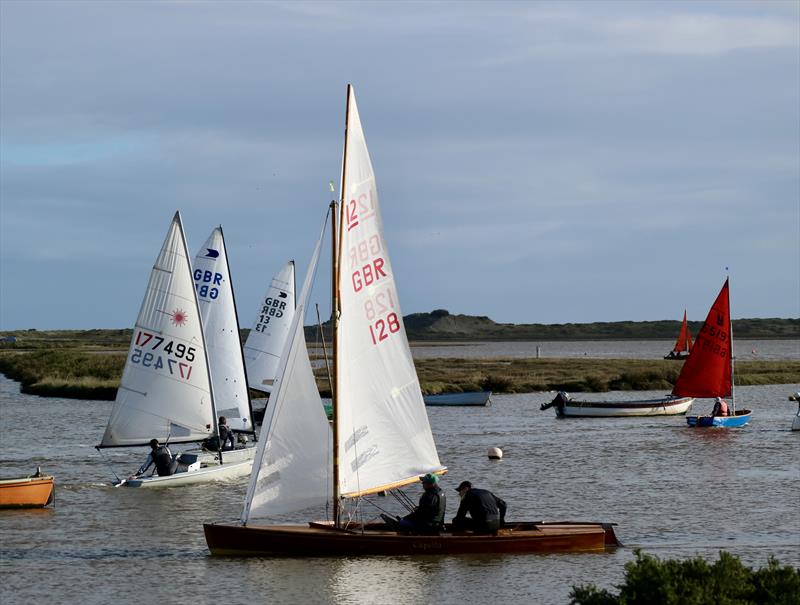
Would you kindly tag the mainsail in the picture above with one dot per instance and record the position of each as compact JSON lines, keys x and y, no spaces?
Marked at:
{"x":165,"y":391}
{"x":384,"y":435}
{"x":265,"y":342}
{"x":684,"y":342}
{"x":214,"y":289}
{"x":292,"y":465}
{"x":707,"y":371}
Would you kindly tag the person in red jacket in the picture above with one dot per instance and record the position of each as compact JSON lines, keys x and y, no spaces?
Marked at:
{"x":720,"y":408}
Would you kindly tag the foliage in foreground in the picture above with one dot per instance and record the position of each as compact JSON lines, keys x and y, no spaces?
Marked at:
{"x":651,"y":581}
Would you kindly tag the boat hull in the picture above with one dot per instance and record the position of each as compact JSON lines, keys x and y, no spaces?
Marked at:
{"x":29,"y":492}
{"x":323,"y":540}
{"x":474,"y":398}
{"x":238,"y":455}
{"x":566,"y":407}
{"x":216,"y":472}
{"x":741,"y":418}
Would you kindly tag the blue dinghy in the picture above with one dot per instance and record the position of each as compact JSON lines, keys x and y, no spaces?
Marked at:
{"x":741,"y":418}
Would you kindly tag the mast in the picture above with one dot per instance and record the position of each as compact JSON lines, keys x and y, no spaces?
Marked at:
{"x":730,"y":333}
{"x":335,"y":256}
{"x":239,"y":334}
{"x":203,"y":337}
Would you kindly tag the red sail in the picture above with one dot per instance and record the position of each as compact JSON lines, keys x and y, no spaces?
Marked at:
{"x":707,"y":371}
{"x":684,"y":342}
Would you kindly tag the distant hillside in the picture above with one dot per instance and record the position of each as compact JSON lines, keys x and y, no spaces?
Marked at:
{"x":442,"y":325}
{"x":439,"y":325}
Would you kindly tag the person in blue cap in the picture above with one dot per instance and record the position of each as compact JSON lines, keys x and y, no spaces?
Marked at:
{"x":428,"y":517}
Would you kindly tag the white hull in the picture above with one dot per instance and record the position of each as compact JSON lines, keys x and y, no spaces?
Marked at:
{"x":237,"y":455}
{"x":665,"y":406}
{"x":796,"y":422}
{"x":217,"y":472}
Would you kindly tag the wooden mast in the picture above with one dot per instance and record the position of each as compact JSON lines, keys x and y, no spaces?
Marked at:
{"x":335,"y":256}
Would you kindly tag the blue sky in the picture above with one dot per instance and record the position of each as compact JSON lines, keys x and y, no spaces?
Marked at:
{"x":537,"y":162}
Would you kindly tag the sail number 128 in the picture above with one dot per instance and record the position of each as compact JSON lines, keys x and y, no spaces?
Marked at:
{"x":381,"y":329}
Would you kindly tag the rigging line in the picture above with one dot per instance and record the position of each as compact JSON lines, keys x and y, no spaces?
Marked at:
{"x":321,"y":335}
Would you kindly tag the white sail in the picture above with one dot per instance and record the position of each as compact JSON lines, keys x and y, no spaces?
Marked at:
{"x":265,"y":342}
{"x":384,"y":434}
{"x":215,"y":295}
{"x":165,"y":391}
{"x":292,"y":466}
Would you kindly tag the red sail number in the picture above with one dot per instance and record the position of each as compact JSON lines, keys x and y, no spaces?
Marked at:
{"x":381,"y":329}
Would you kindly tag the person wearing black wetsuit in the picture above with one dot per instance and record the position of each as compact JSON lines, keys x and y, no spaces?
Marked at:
{"x":160,"y":456}
{"x":487,"y":512}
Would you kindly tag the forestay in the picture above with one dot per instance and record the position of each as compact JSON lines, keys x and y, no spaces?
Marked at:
{"x":214,"y":289}
{"x":385,"y":438}
{"x":292,"y":466}
{"x":265,"y":342}
{"x":165,"y":391}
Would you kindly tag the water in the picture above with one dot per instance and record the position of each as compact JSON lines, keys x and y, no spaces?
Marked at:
{"x":674,"y":491}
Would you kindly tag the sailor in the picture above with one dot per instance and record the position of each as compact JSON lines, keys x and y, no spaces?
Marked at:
{"x":160,"y":456}
{"x":487,"y":512}
{"x":226,"y":435}
{"x":720,"y":408}
{"x":428,"y":517}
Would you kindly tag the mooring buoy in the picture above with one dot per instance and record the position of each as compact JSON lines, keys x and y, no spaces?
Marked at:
{"x":495,"y":453}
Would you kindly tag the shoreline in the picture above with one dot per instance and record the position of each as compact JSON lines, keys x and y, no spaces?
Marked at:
{"x":94,"y":373}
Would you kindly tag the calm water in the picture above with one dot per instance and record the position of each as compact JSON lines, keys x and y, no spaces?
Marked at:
{"x":675,"y":492}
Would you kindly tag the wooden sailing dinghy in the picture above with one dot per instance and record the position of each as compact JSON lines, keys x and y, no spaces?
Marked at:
{"x":36,"y":491}
{"x":165,"y":392}
{"x":566,"y":407}
{"x":684,"y":343}
{"x":380,"y":438}
{"x":709,"y":370}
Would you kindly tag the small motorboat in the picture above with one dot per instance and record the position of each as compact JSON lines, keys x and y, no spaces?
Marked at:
{"x":36,"y":491}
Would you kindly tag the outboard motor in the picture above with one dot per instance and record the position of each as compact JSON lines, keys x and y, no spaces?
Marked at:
{"x":560,"y":400}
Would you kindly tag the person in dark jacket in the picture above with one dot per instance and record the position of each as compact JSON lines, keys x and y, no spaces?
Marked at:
{"x":226,"y":437}
{"x":428,"y":517}
{"x":160,"y":456}
{"x":487,"y":512}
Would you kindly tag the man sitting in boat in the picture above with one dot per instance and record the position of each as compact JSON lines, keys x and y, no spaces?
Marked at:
{"x":428,"y":517}
{"x":487,"y":512}
{"x":160,"y":456}
{"x":720,"y":408}
{"x":226,"y":436}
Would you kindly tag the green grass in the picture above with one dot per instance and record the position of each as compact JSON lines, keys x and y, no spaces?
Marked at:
{"x":78,"y":373}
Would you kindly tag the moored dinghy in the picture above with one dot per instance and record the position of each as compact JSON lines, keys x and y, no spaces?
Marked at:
{"x":709,"y":370}
{"x":36,"y":491}
{"x":165,"y":392}
{"x":567,"y":407}
{"x":380,"y":438}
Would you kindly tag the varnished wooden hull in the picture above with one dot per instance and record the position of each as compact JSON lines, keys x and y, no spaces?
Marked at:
{"x":323,"y":540}
{"x":29,"y":492}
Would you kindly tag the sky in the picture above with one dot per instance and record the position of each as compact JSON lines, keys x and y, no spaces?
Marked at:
{"x":536,"y":162}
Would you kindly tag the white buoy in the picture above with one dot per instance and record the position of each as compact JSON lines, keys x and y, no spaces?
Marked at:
{"x":495,"y":453}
